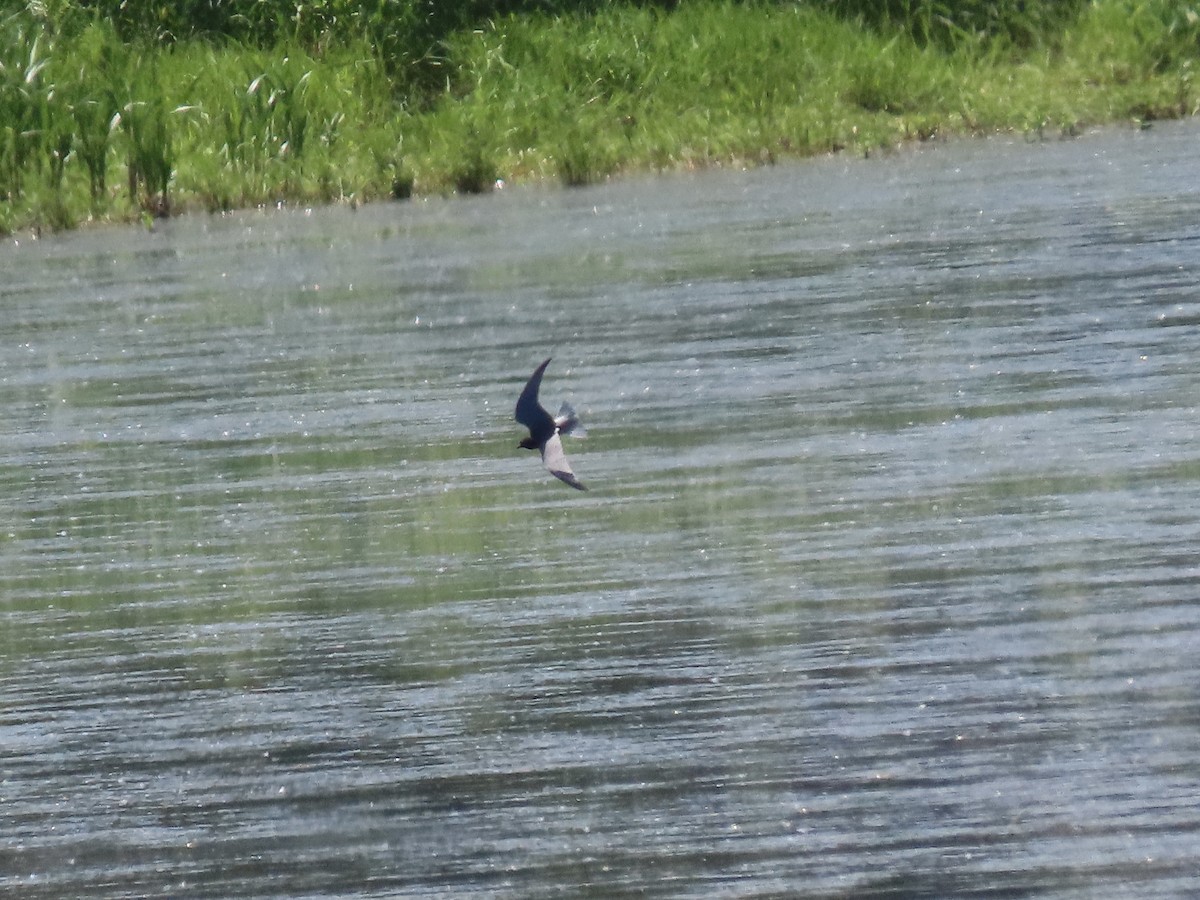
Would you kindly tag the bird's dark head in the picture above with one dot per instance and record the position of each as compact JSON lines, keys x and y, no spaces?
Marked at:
{"x":527,"y":444}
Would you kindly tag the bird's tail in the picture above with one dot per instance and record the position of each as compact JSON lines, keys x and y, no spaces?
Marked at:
{"x":568,"y":422}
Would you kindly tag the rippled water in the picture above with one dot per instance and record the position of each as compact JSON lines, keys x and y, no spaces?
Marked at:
{"x":886,"y":584}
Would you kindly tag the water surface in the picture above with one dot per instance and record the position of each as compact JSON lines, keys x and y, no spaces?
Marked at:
{"x":885,"y":584}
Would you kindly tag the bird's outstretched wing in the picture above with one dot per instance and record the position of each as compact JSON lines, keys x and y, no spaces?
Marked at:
{"x":556,"y":461}
{"x":529,"y":412}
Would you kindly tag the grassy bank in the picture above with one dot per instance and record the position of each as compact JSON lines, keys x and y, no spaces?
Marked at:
{"x":97,"y":123}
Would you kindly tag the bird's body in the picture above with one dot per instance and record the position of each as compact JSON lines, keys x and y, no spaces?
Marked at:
{"x":545,"y":429}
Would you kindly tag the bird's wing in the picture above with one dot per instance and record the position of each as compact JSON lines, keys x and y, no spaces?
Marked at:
{"x":556,"y":461}
{"x":529,"y":412}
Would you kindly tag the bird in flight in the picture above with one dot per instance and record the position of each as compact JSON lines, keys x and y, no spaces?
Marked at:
{"x":545,"y":429}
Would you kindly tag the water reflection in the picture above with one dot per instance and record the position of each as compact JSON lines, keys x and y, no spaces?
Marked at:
{"x":884,"y":585}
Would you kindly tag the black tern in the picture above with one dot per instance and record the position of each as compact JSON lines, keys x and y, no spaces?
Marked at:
{"x":544,"y":429}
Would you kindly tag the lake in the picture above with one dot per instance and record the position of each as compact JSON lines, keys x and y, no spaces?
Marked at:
{"x":886,"y":583}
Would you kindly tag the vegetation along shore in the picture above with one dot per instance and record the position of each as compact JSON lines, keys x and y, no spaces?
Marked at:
{"x":114,"y":111}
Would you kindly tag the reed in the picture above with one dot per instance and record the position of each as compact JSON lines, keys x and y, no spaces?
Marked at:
{"x":113,"y":111}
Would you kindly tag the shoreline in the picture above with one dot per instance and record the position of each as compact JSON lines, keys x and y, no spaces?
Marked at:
{"x":548,"y":183}
{"x":126,"y":134}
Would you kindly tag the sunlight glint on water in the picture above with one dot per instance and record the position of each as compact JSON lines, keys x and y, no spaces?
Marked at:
{"x":884,"y":585}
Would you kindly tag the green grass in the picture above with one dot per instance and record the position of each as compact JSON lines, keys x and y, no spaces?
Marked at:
{"x":345,"y":104}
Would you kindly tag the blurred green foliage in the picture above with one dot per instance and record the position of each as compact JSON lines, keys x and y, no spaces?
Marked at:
{"x":120,"y":108}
